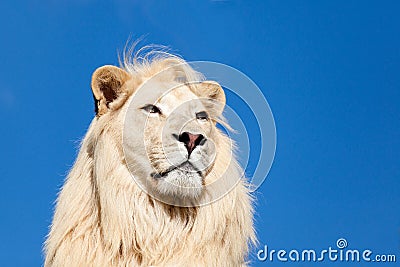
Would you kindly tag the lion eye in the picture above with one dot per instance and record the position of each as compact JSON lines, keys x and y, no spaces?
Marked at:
{"x":202,"y":115}
{"x":151,"y":109}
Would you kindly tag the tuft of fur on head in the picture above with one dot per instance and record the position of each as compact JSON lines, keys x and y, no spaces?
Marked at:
{"x":105,"y":217}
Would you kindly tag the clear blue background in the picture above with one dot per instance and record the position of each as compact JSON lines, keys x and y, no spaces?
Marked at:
{"x":329,"y":69}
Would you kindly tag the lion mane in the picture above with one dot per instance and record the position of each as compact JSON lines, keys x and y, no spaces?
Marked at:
{"x":104,"y":218}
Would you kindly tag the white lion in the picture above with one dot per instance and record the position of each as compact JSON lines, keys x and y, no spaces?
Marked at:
{"x":155,"y":181}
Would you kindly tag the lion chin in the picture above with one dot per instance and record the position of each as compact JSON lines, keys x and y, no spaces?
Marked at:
{"x":183,"y":181}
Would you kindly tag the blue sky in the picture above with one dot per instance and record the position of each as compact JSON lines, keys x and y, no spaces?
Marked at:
{"x":330,"y":72}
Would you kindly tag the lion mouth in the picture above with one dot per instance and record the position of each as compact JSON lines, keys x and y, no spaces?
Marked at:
{"x":185,"y":167}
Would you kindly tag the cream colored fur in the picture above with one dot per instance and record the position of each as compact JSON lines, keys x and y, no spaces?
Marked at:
{"x":102,"y":216}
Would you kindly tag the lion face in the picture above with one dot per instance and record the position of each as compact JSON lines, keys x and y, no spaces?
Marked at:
{"x":177,"y":134}
{"x":170,"y":135}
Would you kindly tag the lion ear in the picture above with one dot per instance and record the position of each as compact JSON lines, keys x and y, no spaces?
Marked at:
{"x":107,"y":85}
{"x":213,"y":91}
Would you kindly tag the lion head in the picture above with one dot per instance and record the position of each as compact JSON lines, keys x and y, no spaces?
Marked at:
{"x":167,"y":115}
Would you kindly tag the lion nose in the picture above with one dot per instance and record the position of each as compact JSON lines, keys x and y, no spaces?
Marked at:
{"x":191,"y":140}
